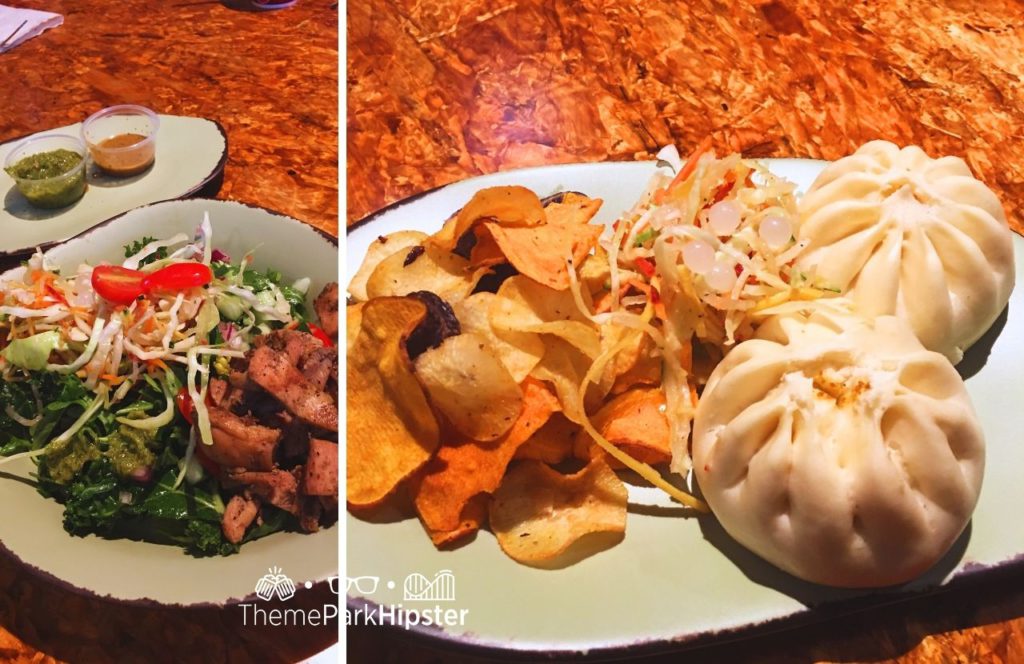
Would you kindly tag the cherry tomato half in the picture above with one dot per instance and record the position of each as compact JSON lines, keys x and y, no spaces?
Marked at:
{"x":117,"y":284}
{"x":178,"y":277}
{"x":318,"y":332}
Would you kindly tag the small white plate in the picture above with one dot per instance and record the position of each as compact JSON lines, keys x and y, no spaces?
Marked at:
{"x":190,"y":152}
{"x":673,"y":580}
{"x":30,"y":527}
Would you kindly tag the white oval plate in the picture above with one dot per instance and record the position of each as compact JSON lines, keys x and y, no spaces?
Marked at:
{"x":190,"y":152}
{"x":672,"y":580}
{"x":31,"y":526}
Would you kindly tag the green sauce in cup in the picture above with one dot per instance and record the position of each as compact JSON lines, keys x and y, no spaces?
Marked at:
{"x":49,"y":178}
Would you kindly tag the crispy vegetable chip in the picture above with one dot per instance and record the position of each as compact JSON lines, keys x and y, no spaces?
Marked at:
{"x":381,"y":248}
{"x":595,"y":272}
{"x":565,"y":367}
{"x":635,"y":422}
{"x":538,"y":514}
{"x":353,"y":320}
{"x":472,"y":388}
{"x":524,"y":305}
{"x":474,"y":514}
{"x":553,"y":442}
{"x":518,"y":351}
{"x":448,"y":276}
{"x":466,"y":468}
{"x":439,"y":324}
{"x":391,"y":430}
{"x":540,"y":252}
{"x":507,"y":205}
{"x":571,"y":207}
{"x":636,"y":364}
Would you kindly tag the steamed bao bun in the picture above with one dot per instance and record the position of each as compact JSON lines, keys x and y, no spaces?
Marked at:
{"x":904,"y":234}
{"x":839,"y":449}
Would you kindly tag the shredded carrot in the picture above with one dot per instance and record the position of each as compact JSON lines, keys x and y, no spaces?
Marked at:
{"x":113,"y":379}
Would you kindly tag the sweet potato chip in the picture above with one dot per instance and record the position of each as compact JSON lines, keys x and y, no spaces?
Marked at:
{"x":538,"y":514}
{"x":391,"y":430}
{"x":518,"y":351}
{"x":466,"y":468}
{"x":474,"y":514}
{"x":506,"y":205}
{"x":423,"y":268}
{"x":469,"y":385}
{"x":553,"y":442}
{"x":572,"y":208}
{"x":540,"y":252}
{"x":524,"y":305}
{"x":634,"y":422}
{"x":381,"y":248}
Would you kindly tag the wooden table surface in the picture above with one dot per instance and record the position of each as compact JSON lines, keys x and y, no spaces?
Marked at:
{"x":271,"y":80}
{"x":440,"y":91}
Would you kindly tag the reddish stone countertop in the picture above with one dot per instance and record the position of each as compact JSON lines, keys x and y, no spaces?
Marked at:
{"x":271,"y":80}
{"x":442,"y":91}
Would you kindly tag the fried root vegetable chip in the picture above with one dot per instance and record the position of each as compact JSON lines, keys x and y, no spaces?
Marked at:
{"x":565,"y":367}
{"x":636,"y":364}
{"x":391,"y":430}
{"x":634,"y":422}
{"x":464,"y":469}
{"x":571,"y":207}
{"x":470,"y":386}
{"x":423,"y":268}
{"x":474,"y":514}
{"x":381,"y":248}
{"x":524,"y":305}
{"x":540,"y":252}
{"x":518,"y":351}
{"x":538,"y":514}
{"x":553,"y":442}
{"x":507,"y":205}
{"x":353,"y":321}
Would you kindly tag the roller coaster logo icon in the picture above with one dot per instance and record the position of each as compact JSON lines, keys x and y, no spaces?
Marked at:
{"x":419,"y":588}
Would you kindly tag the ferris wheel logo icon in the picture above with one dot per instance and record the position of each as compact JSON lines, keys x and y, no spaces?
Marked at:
{"x":275,"y":584}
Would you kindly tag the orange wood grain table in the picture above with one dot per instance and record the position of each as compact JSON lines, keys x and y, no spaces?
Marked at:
{"x":440,"y":91}
{"x":271,"y":80}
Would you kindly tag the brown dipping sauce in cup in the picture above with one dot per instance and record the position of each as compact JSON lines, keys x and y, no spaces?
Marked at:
{"x":111,"y":156}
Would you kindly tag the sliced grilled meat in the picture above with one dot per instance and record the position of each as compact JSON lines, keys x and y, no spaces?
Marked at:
{"x":272,"y":371}
{"x":277,"y":487}
{"x":321,"y":477}
{"x":240,"y":442}
{"x":326,"y":305}
{"x":239,"y":514}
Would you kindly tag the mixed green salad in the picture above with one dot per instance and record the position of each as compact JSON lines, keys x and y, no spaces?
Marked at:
{"x":106,"y":377}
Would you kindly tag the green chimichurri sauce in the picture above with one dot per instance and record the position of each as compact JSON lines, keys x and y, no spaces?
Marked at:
{"x":33,"y":176}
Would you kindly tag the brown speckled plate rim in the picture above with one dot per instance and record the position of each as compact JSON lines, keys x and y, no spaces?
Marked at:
{"x":145,"y":602}
{"x":969,"y":576}
{"x":207,"y":179}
